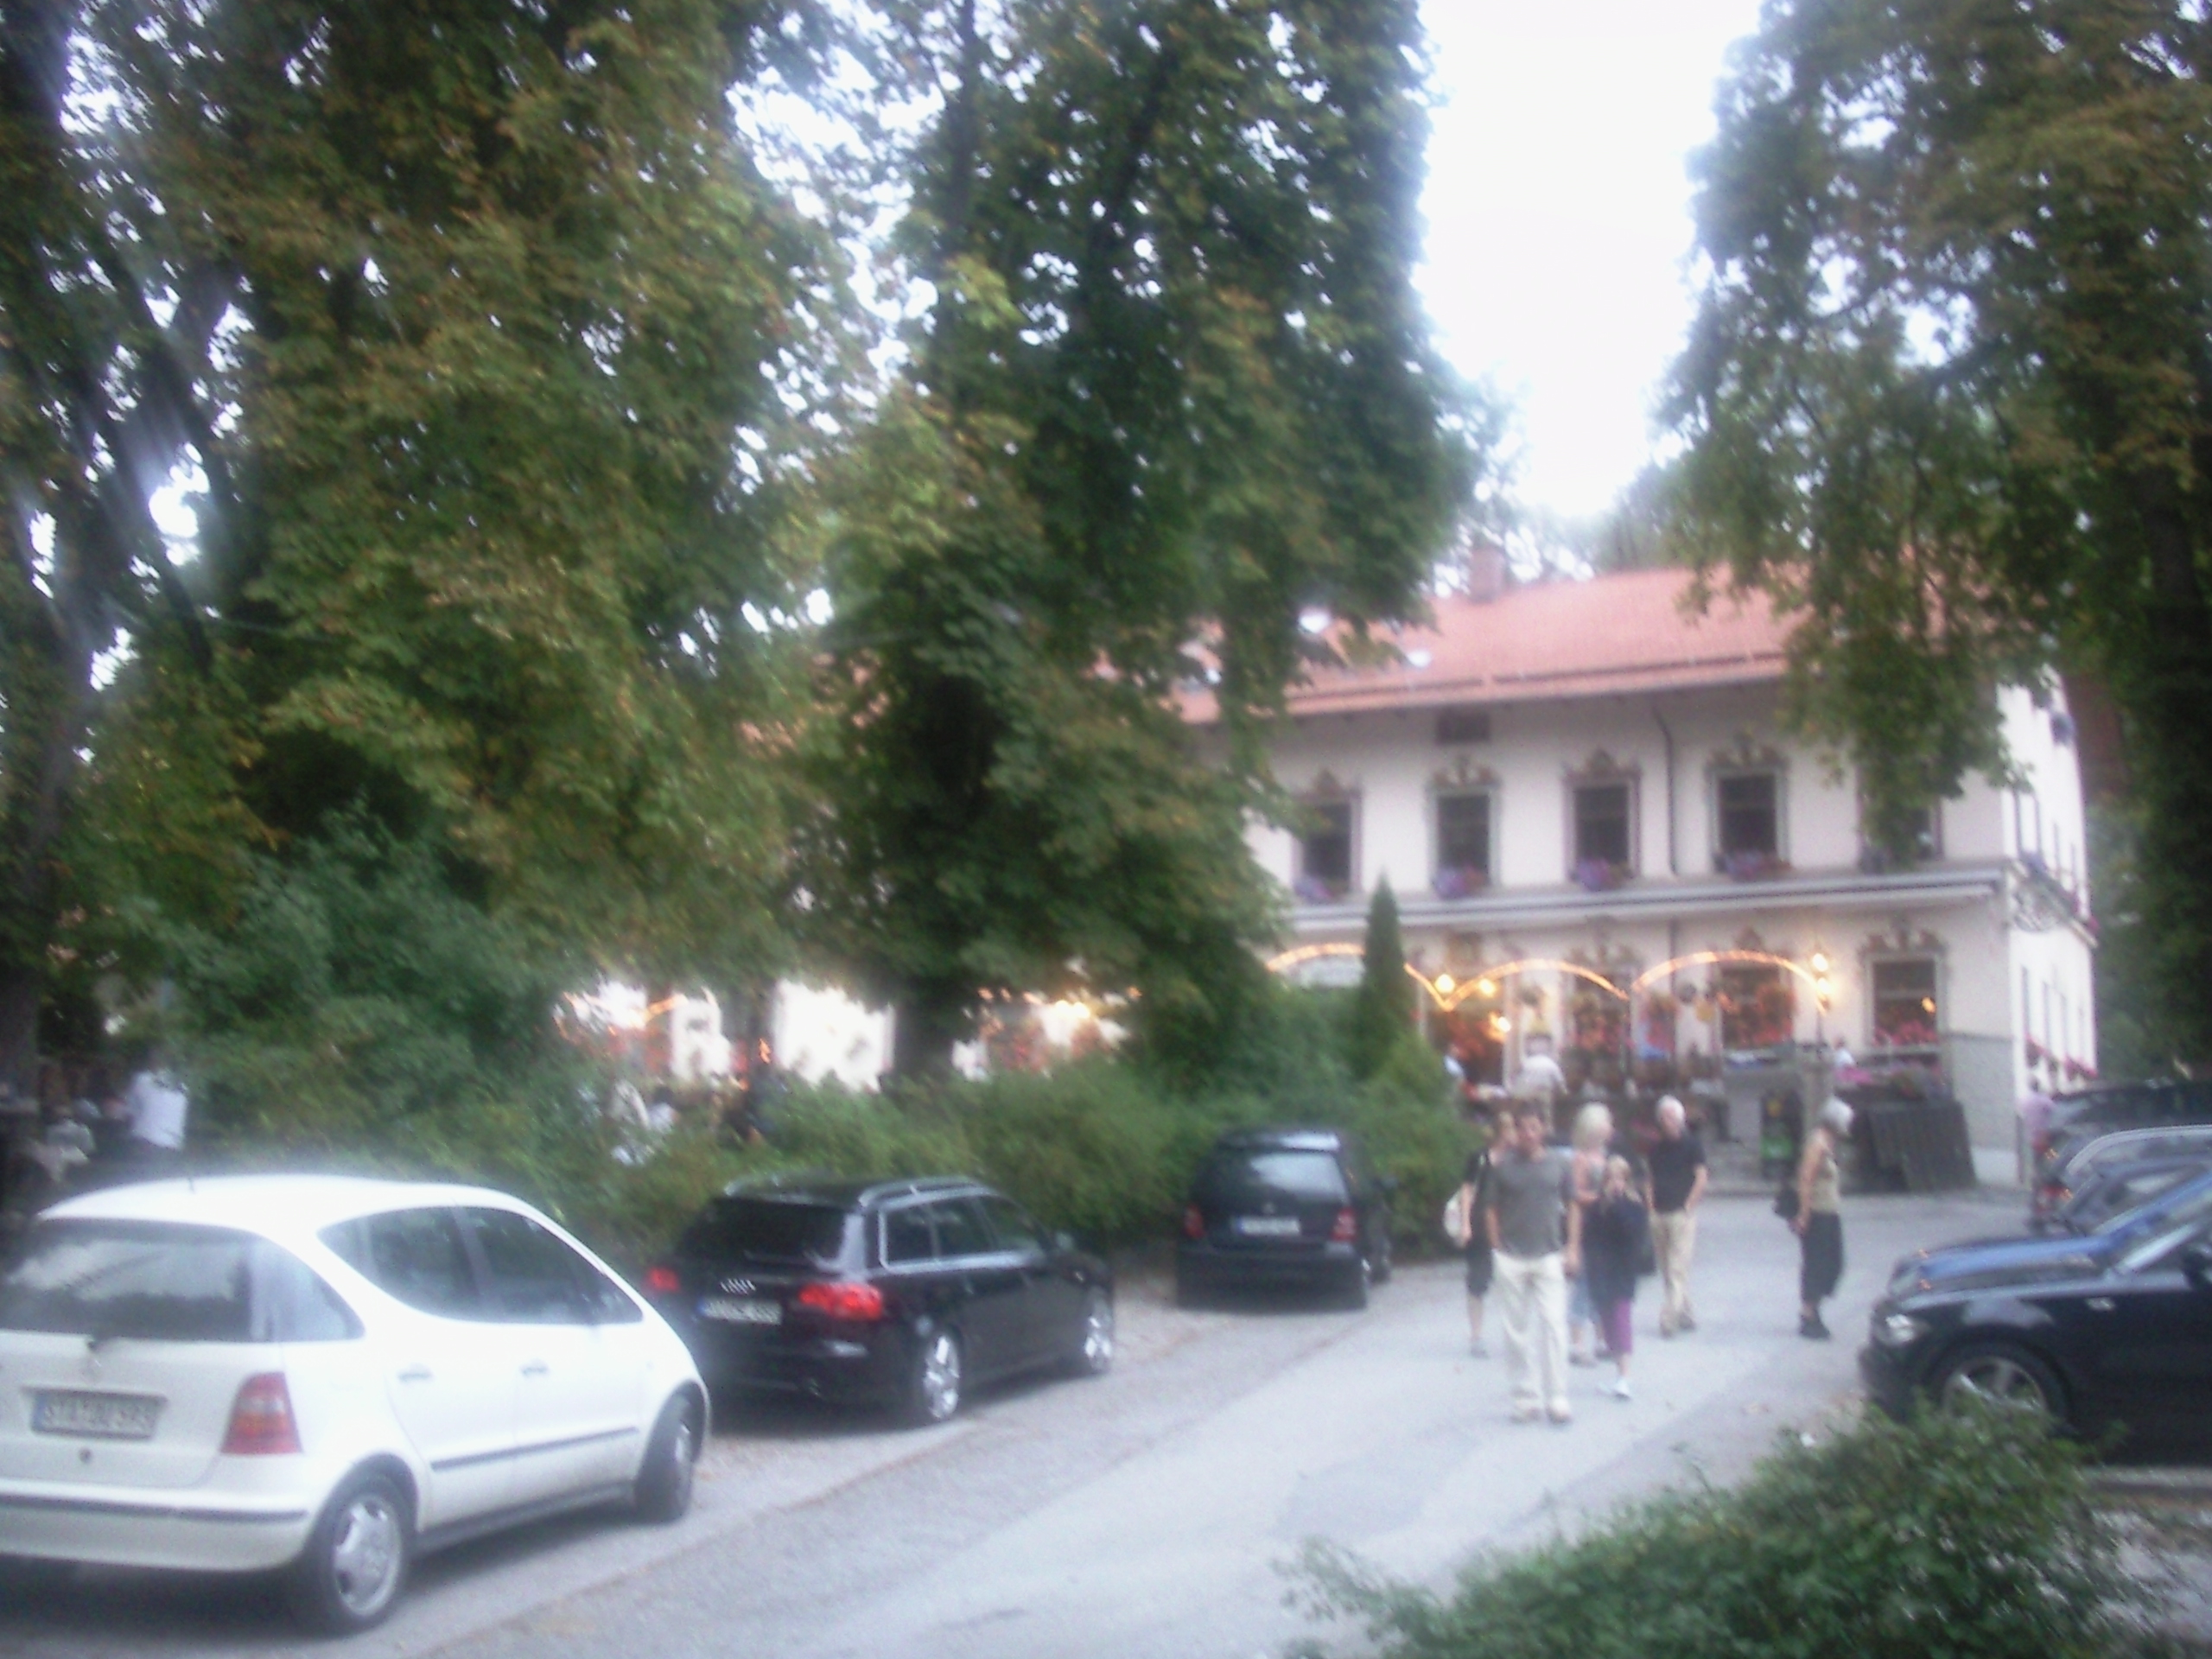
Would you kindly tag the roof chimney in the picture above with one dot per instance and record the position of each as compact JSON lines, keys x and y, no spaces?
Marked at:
{"x":1487,"y":573}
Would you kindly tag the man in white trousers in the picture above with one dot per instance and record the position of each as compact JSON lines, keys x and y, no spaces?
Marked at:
{"x":1536,"y":1235}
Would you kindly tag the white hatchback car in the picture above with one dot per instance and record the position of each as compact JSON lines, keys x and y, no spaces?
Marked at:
{"x":324,"y":1376}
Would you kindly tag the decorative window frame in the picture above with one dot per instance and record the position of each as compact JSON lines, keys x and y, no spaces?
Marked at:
{"x":1601,"y":769}
{"x":1461,"y":779}
{"x":1747,"y":756}
{"x":1326,"y":790}
{"x":1903,"y":942}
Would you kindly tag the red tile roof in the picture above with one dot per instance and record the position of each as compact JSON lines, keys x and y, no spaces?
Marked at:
{"x":1605,"y":637}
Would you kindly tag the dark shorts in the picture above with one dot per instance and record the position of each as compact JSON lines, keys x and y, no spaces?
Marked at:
{"x":1823,"y":1263}
{"x":1478,"y":1269}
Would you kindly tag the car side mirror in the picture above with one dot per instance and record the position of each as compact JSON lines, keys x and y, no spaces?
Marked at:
{"x":1064,"y":1244}
{"x":2197,"y":1264}
{"x":1387,"y":1185}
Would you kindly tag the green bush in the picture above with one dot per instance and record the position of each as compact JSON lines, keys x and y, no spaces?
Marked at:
{"x":1967,"y":1537}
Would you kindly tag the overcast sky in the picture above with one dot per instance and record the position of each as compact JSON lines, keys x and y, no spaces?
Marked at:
{"x":1558,"y":211}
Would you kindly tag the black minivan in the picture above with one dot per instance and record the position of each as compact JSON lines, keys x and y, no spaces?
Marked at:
{"x":903,"y":1293}
{"x":1285,"y":1206}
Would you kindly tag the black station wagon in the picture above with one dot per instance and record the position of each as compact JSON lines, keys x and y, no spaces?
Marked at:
{"x":898,"y":1293}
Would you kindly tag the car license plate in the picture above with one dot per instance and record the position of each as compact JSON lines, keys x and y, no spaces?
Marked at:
{"x":742,"y":1310}
{"x":96,"y":1416}
{"x":1268,"y":1226}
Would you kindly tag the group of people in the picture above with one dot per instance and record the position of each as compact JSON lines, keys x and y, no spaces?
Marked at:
{"x":87,"y":1121}
{"x":1558,"y":1237}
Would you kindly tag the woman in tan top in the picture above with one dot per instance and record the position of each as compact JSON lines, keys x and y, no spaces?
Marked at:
{"x":1820,"y":1220}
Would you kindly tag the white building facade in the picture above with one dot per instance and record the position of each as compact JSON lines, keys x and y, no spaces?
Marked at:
{"x":1603,"y":842}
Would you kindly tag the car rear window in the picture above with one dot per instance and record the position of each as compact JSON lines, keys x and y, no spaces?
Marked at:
{"x":1233,"y":1177}
{"x":160,"y":1282}
{"x":770,"y":1229}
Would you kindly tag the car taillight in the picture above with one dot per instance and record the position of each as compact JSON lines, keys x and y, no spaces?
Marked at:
{"x":662,"y":1282}
{"x":261,"y":1418}
{"x":843,"y":1300}
{"x":1347,"y":1227}
{"x":1194,"y":1224}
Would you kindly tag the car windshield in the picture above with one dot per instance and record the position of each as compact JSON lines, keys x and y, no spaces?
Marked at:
{"x":1235,"y":1178}
{"x":2122,"y":1192}
{"x":776,"y":1230}
{"x":2177,"y":1214}
{"x":148,"y":1280}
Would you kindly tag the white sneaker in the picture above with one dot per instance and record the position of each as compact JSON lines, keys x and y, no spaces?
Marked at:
{"x":1620,"y":1388}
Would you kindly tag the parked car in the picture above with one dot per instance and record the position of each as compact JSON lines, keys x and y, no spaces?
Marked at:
{"x":2077,"y":1119}
{"x":324,"y":1375}
{"x":2109,"y":1329}
{"x":899,"y":1293}
{"x":1285,"y":1206}
{"x":2087,"y":1159}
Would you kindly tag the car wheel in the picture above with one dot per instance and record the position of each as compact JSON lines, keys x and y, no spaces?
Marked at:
{"x":670,"y":1471}
{"x":933,"y":1385}
{"x":1094,"y":1355}
{"x":1361,"y":1282}
{"x":350,"y":1574}
{"x":1999,"y":1375}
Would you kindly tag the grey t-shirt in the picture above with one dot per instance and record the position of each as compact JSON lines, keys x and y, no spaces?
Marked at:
{"x":1530,"y":1196}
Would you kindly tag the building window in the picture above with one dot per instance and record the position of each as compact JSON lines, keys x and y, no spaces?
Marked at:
{"x":1747,"y":814}
{"x":1758,"y":1008}
{"x":1325,"y":860}
{"x":1463,"y":725}
{"x":1905,"y":1010}
{"x":1604,"y":815}
{"x":1462,"y":844}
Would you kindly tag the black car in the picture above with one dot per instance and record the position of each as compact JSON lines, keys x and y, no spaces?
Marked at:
{"x":1284,"y":1207}
{"x":899,"y":1293}
{"x":2109,"y":1330}
{"x":2089,"y":1162}
{"x":2077,"y":1118}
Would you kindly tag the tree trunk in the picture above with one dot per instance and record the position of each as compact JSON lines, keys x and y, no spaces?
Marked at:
{"x":2171,"y":687}
{"x":930,"y":1020}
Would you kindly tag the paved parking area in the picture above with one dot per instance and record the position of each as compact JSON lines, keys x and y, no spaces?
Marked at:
{"x":1148,"y":1513}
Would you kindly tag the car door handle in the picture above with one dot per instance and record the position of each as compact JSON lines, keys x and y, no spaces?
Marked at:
{"x":415,"y":1373}
{"x":536,"y":1368}
{"x":2100,"y":1304}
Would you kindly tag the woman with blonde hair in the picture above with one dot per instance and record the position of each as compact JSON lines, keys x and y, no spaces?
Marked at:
{"x":1593,"y":1133}
{"x":1613,"y":1236}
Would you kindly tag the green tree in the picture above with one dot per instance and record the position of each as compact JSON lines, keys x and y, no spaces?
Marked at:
{"x":478,"y":327}
{"x":1382,"y":1014}
{"x":1174,"y":388}
{"x":1948,"y":395}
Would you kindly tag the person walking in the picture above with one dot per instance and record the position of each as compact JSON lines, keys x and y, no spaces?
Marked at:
{"x":160,"y":1110}
{"x":1593,"y":1134}
{"x":1614,"y":1232}
{"x":1679,"y":1176}
{"x":1536,"y":1238}
{"x":1819,"y":1220}
{"x":1473,"y":1206}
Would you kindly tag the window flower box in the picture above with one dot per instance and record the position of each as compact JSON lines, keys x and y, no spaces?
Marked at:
{"x":1753,"y":866}
{"x":1459,"y":881}
{"x":1313,"y":890}
{"x":1598,"y":874}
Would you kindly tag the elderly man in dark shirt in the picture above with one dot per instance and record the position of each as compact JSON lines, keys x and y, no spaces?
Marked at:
{"x":1677,"y":1187}
{"x":1536,"y":1235}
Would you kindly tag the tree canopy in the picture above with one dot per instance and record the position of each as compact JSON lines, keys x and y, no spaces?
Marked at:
{"x":1949,"y":393}
{"x":1173,"y":388}
{"x":476,"y":328}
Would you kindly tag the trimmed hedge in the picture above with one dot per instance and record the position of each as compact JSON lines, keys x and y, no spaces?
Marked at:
{"x":1967,"y":1535}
